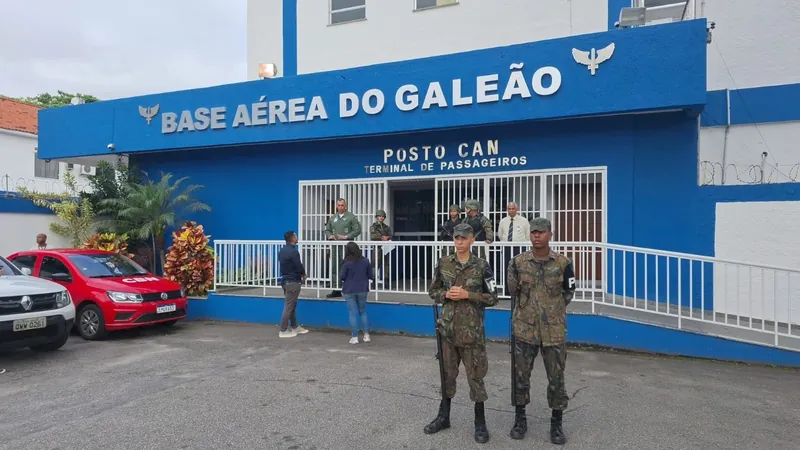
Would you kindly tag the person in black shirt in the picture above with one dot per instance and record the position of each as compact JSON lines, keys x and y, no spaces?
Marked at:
{"x":293,"y":274}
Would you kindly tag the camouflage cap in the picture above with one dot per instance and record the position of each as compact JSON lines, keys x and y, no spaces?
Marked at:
{"x":380,"y":212}
{"x":540,"y":224}
{"x":462,"y":230}
{"x":472,"y":204}
{"x":455,"y":208}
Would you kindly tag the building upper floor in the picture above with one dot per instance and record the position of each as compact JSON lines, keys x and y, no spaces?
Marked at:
{"x":20,"y":165}
{"x":753,"y":41}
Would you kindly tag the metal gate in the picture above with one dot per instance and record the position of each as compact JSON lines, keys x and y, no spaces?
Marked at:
{"x":318,"y":204}
{"x":573,"y":201}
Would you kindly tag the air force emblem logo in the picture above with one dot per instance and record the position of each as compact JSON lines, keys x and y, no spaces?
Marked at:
{"x":593,"y":58}
{"x":149,"y":112}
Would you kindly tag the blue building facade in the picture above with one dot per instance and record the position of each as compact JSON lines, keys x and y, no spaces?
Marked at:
{"x":532,"y":106}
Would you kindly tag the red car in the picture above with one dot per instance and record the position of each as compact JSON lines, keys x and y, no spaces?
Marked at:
{"x":110,"y":291}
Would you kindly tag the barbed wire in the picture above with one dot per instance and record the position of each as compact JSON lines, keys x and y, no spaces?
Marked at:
{"x":713,"y":173}
{"x":10,"y":186}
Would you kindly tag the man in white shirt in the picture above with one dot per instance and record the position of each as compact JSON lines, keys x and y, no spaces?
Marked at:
{"x":513,"y":228}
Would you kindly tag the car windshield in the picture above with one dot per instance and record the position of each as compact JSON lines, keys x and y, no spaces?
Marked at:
{"x":106,"y":266}
{"x":7,"y":269}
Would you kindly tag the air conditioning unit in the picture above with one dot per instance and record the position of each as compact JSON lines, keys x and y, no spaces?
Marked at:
{"x":87,"y":170}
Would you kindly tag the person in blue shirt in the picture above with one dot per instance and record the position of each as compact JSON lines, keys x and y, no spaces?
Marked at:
{"x":356,"y":274}
{"x":293,"y":274}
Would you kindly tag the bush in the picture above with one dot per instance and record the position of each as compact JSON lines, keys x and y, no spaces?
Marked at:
{"x":109,"y":242}
{"x":190,"y":260}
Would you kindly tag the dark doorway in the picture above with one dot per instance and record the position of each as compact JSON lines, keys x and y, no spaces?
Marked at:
{"x":414,"y":215}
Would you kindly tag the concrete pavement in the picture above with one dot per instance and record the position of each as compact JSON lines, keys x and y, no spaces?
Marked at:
{"x":210,"y":385}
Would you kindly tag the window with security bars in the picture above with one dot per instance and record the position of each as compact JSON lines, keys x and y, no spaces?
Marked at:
{"x":428,"y":4}
{"x":45,"y":169}
{"x":343,"y":11}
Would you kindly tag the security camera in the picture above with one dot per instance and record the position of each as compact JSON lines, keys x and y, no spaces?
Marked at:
{"x":47,"y":160}
{"x":110,"y":146}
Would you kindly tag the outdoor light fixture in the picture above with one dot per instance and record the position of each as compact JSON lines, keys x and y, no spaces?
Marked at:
{"x":665,"y":12}
{"x":267,"y":70}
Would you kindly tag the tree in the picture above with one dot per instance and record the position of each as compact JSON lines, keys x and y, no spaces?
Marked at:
{"x":46,"y":100}
{"x":150,"y":207}
{"x":76,"y":213}
{"x":109,"y":181}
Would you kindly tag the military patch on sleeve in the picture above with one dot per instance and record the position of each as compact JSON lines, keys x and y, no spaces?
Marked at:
{"x":569,"y":277}
{"x":490,"y":284}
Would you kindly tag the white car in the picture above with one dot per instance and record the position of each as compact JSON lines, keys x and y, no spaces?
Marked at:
{"x":34,"y":312}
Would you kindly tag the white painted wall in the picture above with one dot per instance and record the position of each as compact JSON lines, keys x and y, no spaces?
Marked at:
{"x":393,"y":31}
{"x":766,"y":153}
{"x":754,"y":44}
{"x":265,"y":35}
{"x":765,"y":233}
{"x":17,"y":166}
{"x":22,"y":235}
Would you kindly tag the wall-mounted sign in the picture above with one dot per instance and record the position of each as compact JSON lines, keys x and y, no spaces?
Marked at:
{"x":439,"y":158}
{"x":544,"y":81}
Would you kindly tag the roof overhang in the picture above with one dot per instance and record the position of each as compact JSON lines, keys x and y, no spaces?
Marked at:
{"x":621,"y":71}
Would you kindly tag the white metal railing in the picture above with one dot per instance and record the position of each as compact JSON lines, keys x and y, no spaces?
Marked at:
{"x":738,"y":300}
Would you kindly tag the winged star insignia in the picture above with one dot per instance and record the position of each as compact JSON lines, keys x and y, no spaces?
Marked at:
{"x":593,"y":58}
{"x":149,"y":112}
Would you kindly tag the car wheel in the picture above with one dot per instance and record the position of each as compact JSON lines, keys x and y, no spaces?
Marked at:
{"x":91,"y":324}
{"x":54,"y":345}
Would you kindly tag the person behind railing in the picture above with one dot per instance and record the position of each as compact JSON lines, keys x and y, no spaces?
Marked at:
{"x":446,"y":230}
{"x":293,"y":273}
{"x":381,"y":231}
{"x":356,"y":274}
{"x":342,"y":226}
{"x":512,"y":228}
{"x":481,"y":227}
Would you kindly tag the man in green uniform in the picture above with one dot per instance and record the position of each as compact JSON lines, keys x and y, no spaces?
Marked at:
{"x":464,"y":285}
{"x":481,"y":226}
{"x":446,"y":230}
{"x":342,"y":226}
{"x":381,"y":231}
{"x":543,"y":283}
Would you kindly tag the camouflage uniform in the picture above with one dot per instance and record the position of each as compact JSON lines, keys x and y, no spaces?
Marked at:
{"x":462,"y":328}
{"x":446,"y":231}
{"x":482,"y":228}
{"x":347,"y":225}
{"x":376,"y":232}
{"x":543,"y":289}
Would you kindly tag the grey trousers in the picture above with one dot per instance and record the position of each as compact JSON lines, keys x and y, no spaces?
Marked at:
{"x":291,"y":291}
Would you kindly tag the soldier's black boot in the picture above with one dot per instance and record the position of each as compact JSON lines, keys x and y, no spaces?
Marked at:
{"x":556,"y":432}
{"x":520,"y":424}
{"x":481,"y":433}
{"x":442,"y":420}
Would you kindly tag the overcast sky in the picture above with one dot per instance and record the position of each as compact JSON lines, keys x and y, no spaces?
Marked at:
{"x":113,"y":49}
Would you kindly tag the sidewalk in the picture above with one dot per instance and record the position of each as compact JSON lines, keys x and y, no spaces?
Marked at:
{"x":209,"y":385}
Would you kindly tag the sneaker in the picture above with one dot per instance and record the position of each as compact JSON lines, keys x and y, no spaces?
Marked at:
{"x":366,"y":337}
{"x":287,"y":334}
{"x":354,"y":340}
{"x":300,"y":330}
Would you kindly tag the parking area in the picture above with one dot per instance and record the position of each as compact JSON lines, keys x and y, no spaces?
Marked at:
{"x":212,"y":385}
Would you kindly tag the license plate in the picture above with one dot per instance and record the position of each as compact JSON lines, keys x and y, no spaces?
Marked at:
{"x":30,"y":324}
{"x":165,"y":308}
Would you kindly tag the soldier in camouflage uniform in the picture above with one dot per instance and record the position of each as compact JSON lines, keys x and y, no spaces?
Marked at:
{"x":543,"y":282}
{"x":446,"y":230}
{"x":342,"y":226}
{"x":380,"y":231}
{"x":481,"y":227}
{"x":464,"y":285}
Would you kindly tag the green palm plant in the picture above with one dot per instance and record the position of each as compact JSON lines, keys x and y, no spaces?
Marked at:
{"x":149,"y":208}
